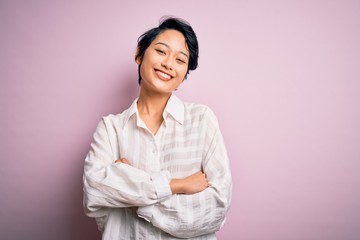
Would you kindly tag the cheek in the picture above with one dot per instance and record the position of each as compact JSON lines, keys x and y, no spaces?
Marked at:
{"x":148,"y":58}
{"x":182,"y":72}
{"x":145,"y":64}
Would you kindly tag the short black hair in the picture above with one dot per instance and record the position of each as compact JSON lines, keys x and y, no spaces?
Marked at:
{"x":173,"y":23}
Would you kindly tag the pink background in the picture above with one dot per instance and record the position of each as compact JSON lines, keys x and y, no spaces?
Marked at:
{"x":283,"y":78}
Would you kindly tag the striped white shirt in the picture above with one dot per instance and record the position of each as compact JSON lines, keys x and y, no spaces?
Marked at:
{"x":135,"y":201}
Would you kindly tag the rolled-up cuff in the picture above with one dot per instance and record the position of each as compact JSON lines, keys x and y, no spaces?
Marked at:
{"x":161,"y":182}
{"x":145,"y":212}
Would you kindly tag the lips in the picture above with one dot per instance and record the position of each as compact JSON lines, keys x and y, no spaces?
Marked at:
{"x":163,"y":76}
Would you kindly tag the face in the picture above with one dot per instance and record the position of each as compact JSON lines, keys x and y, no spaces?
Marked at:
{"x":165,"y":62}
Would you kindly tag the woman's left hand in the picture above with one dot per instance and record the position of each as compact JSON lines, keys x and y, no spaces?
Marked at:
{"x":122,"y":160}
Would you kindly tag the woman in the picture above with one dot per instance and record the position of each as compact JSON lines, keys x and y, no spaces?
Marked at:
{"x":159,"y":170}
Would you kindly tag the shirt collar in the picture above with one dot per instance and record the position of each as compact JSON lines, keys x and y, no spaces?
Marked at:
{"x":174,"y":107}
{"x":131,"y":111}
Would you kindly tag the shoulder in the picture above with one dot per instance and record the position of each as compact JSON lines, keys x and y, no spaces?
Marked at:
{"x":115,"y":120}
{"x":200,"y":112}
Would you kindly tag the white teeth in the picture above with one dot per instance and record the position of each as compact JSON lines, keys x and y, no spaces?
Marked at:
{"x":164,"y":75}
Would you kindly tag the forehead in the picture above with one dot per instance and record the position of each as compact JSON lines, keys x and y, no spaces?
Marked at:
{"x":173,"y":38}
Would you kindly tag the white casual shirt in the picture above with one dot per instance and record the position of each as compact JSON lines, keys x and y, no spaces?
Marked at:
{"x":135,"y":201}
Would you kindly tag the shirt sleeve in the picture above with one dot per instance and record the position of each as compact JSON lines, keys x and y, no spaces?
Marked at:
{"x":187,"y":216}
{"x":116,"y":185}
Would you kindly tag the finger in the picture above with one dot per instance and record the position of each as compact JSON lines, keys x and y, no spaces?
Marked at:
{"x":122,"y":160}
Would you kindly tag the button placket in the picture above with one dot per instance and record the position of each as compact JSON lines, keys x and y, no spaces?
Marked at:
{"x":155,"y":158}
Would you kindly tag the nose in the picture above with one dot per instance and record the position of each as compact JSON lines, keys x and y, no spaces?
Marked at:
{"x":167,"y":63}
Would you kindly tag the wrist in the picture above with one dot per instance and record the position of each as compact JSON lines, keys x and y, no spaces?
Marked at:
{"x":176,"y":186}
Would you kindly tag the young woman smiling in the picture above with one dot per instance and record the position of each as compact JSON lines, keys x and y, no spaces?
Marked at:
{"x":159,"y":170}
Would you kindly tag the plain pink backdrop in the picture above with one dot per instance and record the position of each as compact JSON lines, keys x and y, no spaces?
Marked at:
{"x":283,"y":78}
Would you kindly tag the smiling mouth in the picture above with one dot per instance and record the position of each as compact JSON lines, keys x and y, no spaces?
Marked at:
{"x":162,"y":75}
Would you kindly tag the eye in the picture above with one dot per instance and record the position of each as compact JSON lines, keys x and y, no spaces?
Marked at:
{"x":161,"y":52}
{"x":180,"y":60}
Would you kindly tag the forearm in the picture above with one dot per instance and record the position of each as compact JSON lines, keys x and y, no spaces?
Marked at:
{"x":187,"y":216}
{"x":120,"y":185}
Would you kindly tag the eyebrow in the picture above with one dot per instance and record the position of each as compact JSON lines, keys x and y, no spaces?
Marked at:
{"x":166,"y":45}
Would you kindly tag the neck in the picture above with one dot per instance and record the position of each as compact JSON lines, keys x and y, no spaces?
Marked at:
{"x":152,"y":104}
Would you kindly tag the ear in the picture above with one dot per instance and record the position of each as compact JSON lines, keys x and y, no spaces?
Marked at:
{"x":137,"y":58}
